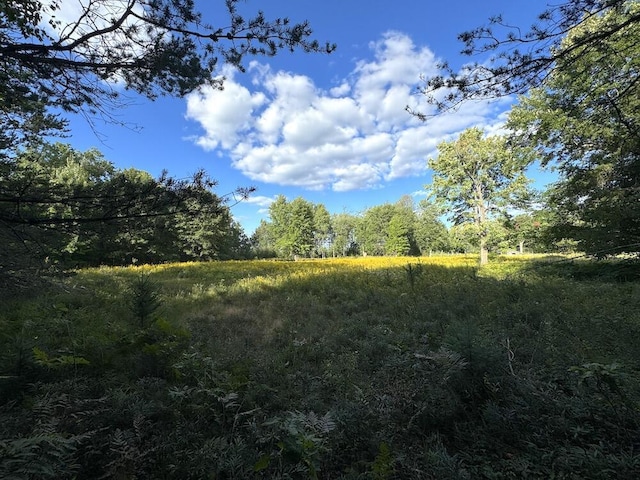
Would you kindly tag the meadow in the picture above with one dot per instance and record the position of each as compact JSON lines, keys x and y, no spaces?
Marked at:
{"x":358,"y":368}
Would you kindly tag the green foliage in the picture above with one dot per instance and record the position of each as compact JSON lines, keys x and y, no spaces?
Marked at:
{"x":372,"y":229}
{"x":344,"y":242}
{"x":382,"y":468}
{"x":55,"y":207}
{"x":397,"y":242}
{"x":321,"y":229}
{"x":431,"y":234}
{"x":61,"y":208}
{"x":477,"y":178}
{"x":584,"y":121}
{"x":301,"y":442}
{"x":297,"y":229}
{"x":41,"y":358}
{"x":350,"y":368}
{"x":529,"y":231}
{"x":152,"y":48}
{"x":389,"y":229}
{"x":41,"y":456}
{"x":144,"y":298}
{"x":55,"y":428}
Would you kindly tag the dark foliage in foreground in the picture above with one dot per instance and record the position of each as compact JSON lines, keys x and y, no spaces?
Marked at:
{"x":315,"y":371}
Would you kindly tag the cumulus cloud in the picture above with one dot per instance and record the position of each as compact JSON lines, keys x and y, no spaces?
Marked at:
{"x":260,"y":200}
{"x":419,"y":193}
{"x":228,"y":112}
{"x":286,"y":130}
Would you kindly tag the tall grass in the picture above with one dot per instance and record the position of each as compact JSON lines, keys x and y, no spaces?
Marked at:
{"x":346,"y":368}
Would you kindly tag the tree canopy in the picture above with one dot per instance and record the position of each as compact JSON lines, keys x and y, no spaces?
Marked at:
{"x":576,"y":71}
{"x":59,"y":57}
{"x":54,"y":59}
{"x":522,"y":60}
{"x":477,"y":177}
{"x":585,"y":121}
{"x":299,"y":228}
{"x":64,"y":208}
{"x":431,"y":234}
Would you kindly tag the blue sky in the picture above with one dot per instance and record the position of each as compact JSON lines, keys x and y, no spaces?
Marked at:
{"x":330,"y":128}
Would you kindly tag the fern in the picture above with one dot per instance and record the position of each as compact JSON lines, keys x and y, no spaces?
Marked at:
{"x":42,"y":358}
{"x":124,"y":453}
{"x":40,"y":456}
{"x":302,"y":442}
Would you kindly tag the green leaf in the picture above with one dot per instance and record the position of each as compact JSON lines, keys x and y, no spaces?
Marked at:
{"x":262,"y":463}
{"x":41,"y":357}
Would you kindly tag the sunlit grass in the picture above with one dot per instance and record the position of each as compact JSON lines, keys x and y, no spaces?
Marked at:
{"x":232,"y":271}
{"x":193,"y":287}
{"x":390,"y":347}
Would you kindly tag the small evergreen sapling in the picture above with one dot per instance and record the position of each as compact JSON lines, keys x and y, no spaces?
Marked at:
{"x":144,"y":298}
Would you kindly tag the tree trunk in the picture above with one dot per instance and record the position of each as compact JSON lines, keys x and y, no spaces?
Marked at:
{"x":484,"y":253}
{"x":481,"y":218}
{"x":521,"y":247}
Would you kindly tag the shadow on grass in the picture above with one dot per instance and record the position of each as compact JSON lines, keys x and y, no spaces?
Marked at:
{"x":416,"y":369}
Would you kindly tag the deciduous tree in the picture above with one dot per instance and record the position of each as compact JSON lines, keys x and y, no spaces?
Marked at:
{"x":345,"y":240}
{"x":263,"y":240}
{"x":527,"y":230}
{"x":372,"y":229}
{"x":475,"y":178}
{"x":431,"y":233}
{"x":75,"y":208}
{"x":586,"y":122}
{"x":398,"y":232}
{"x":321,"y":229}
{"x":401,"y":238}
{"x":59,"y":56}
{"x":293,"y":226}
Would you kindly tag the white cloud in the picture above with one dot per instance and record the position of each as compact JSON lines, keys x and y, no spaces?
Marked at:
{"x":343,"y":89}
{"x":224,"y":114}
{"x":260,"y":200}
{"x":413,"y":147}
{"x":286,"y":130}
{"x":419,"y":193}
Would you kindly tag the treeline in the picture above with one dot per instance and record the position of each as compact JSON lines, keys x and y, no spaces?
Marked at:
{"x":299,"y":228}
{"x":61,"y":207}
{"x":66,"y":208}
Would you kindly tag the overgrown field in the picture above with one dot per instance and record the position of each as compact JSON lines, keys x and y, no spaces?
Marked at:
{"x":376,"y":368}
